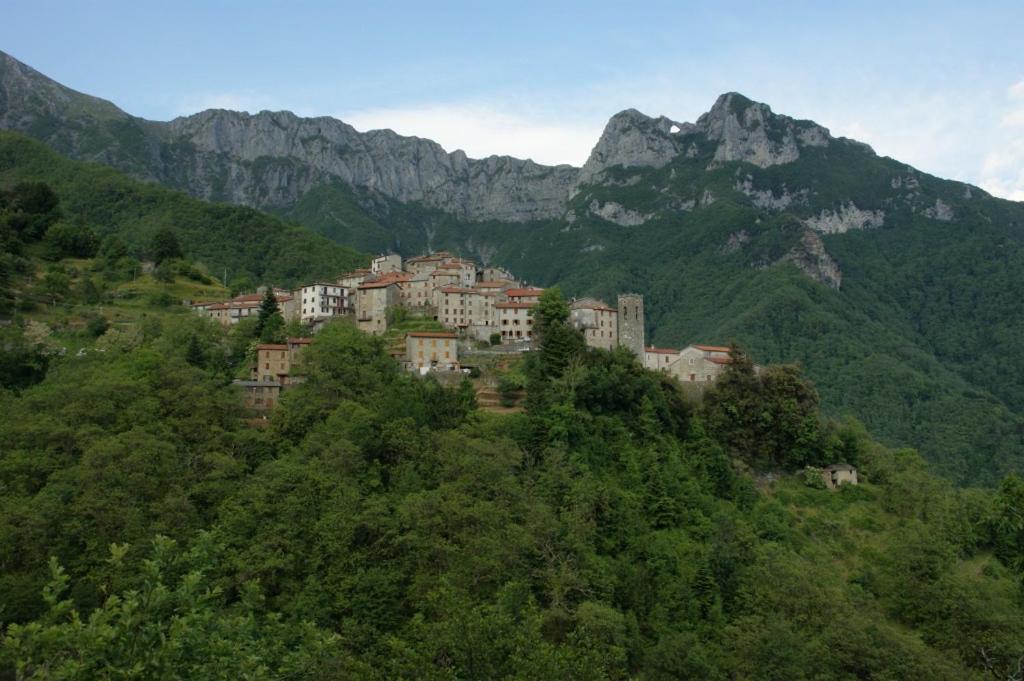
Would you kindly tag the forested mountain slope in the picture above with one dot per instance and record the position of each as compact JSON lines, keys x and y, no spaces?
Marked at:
{"x":247,"y":246}
{"x":382,"y":528}
{"x":899,"y":292}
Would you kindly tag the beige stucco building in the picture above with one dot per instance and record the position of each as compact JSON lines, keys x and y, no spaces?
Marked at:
{"x":322,"y":300}
{"x":431,"y":349}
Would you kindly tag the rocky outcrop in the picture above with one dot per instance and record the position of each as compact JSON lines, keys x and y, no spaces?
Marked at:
{"x":617,"y":213}
{"x":811,"y":257}
{"x":631,"y":139}
{"x":845,"y":218}
{"x":940,"y":211}
{"x":766,"y":198}
{"x":749,"y":131}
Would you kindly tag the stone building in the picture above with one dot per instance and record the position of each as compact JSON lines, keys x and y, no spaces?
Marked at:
{"x":631,"y":323}
{"x":515,"y":323}
{"x":382,"y":264}
{"x":839,"y":474}
{"x":373,"y":299}
{"x":229,"y":313}
{"x":278,"y":367}
{"x":431,"y":349}
{"x":659,"y":359}
{"x":529,"y":295}
{"x":598,"y":322}
{"x":700,"y":363}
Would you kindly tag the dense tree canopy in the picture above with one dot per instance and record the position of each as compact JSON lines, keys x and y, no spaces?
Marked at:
{"x":382,"y":527}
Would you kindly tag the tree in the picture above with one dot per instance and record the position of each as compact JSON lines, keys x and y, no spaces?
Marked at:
{"x":557,"y":342}
{"x":165,"y":246}
{"x":269,"y":322}
{"x":71,"y":240}
{"x":194,"y":352}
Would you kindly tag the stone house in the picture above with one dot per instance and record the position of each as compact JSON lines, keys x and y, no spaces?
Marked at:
{"x":699,"y":363}
{"x":659,"y":359}
{"x":491,"y":273}
{"x":466,"y":270}
{"x":425,"y":264}
{"x":419,"y":292}
{"x":278,"y":366}
{"x":523,"y":295}
{"x":231,"y":312}
{"x":431,"y":349}
{"x":598,"y":322}
{"x":839,"y":474}
{"x":352,"y":280}
{"x":390,"y":262}
{"x":260,"y":396}
{"x":515,"y":321}
{"x":373,"y":299}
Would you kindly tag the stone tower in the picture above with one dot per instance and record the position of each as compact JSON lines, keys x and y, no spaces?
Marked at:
{"x":631,"y":323}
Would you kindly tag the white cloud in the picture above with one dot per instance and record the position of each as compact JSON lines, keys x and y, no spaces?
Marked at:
{"x":486,"y":129}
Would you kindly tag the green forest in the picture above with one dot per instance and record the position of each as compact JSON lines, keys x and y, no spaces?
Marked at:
{"x":379,"y":526}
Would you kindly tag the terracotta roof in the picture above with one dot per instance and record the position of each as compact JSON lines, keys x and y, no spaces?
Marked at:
{"x":271,"y":346}
{"x":321,"y":283}
{"x":394,"y":276}
{"x":720,"y":360}
{"x":662,"y":351}
{"x":524,"y":292}
{"x":377,"y":284}
{"x":218,"y":306}
{"x":515,"y":306}
{"x":431,"y":334}
{"x":713,"y":348}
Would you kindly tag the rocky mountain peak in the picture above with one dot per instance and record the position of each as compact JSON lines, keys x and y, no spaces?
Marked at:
{"x":749,"y":131}
{"x":631,"y":139}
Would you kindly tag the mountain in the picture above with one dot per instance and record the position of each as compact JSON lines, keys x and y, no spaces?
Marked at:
{"x":247,"y":246}
{"x":898,"y":291}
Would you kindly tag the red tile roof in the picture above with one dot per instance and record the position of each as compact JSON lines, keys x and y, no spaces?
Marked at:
{"x":377,"y":284}
{"x":713,"y":348}
{"x":662,"y":351}
{"x":720,"y":360}
{"x":524,"y":292}
{"x":514,"y":306}
{"x":431,"y":334}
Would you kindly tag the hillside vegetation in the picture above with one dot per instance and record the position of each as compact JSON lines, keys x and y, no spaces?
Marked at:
{"x":381,"y":527}
{"x":247,"y":246}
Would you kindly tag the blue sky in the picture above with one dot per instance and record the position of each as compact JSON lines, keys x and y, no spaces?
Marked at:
{"x":939,"y":85}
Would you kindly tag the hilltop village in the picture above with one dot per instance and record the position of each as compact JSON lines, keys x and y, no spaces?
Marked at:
{"x":477,"y":305}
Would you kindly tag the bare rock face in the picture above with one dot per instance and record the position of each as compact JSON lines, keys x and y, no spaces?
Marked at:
{"x":811,"y":257}
{"x":845,"y":218}
{"x":766,"y":198}
{"x":631,"y":139}
{"x":749,"y":131}
{"x":617,"y":213}
{"x":402,"y":168}
{"x":940,"y":211}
